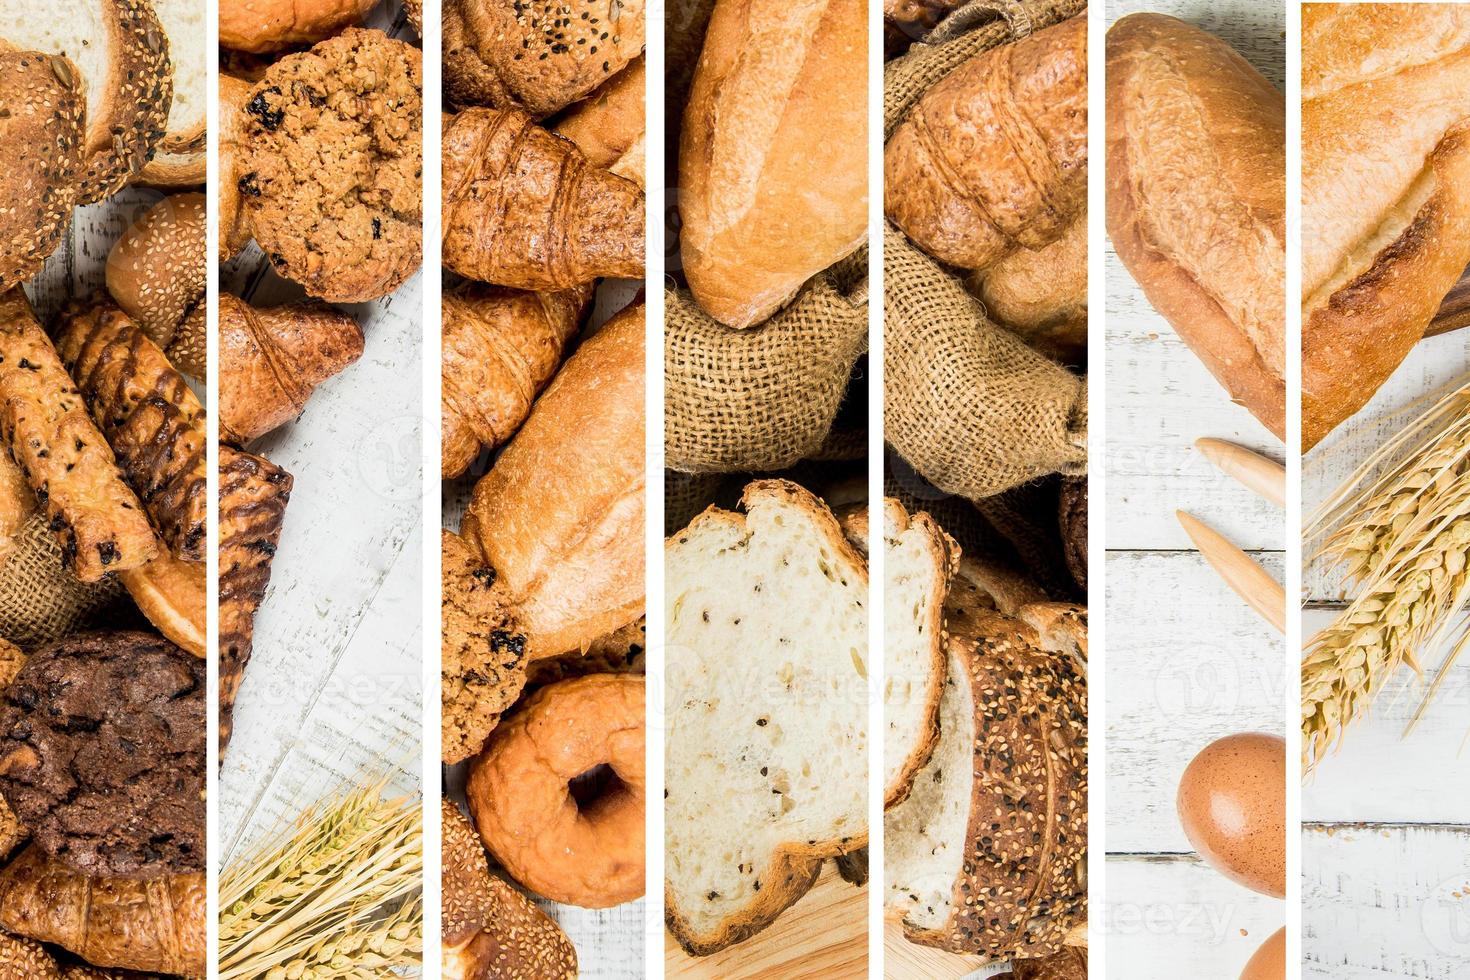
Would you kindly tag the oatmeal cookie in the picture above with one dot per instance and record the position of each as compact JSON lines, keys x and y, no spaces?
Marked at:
{"x":102,"y":754}
{"x":333,"y":170}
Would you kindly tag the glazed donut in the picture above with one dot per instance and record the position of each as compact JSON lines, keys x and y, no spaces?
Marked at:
{"x":550,"y":835}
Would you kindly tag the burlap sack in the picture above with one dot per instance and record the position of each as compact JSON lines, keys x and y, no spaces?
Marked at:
{"x":40,"y":600}
{"x":967,"y":403}
{"x":760,"y":399}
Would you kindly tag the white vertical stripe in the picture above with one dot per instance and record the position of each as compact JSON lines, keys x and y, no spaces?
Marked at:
{"x":211,"y":559}
{"x":876,"y":659}
{"x":1293,"y":571}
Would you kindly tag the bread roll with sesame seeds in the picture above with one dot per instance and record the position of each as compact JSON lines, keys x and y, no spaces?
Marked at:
{"x":536,"y":55}
{"x":156,"y":271}
{"x":26,"y":958}
{"x":995,"y":864}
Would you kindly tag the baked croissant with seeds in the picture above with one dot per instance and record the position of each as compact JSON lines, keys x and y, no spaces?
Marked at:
{"x":501,"y":347}
{"x":524,"y":208}
{"x":152,"y":420}
{"x":253,"y":493}
{"x":271,"y":360}
{"x":93,"y":512}
{"x":155,"y":925}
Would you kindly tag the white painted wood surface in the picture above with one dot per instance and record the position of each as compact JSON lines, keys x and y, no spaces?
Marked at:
{"x":1187,"y":661}
{"x":333,"y":691}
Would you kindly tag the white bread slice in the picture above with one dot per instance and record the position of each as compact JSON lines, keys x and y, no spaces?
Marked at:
{"x":178,"y":160}
{"x":988,"y":855}
{"x":766,"y":741}
{"x":122,"y":53}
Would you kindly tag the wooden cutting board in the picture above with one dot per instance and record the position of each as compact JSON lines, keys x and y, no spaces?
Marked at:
{"x":822,"y":937}
{"x":903,"y":960}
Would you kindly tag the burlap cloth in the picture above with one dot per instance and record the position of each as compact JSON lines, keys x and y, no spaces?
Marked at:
{"x":761,"y":399}
{"x":968,"y":404}
{"x":40,"y":599}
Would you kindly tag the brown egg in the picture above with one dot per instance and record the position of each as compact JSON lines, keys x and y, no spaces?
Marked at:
{"x":1269,"y":962}
{"x":1232,"y":804}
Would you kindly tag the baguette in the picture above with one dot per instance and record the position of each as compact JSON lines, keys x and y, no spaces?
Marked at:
{"x":766,"y":740}
{"x":994,"y":156}
{"x":773,"y":179}
{"x":1196,"y":207}
{"x":572,"y":562}
{"x":95,"y":515}
{"x":1385,"y":192}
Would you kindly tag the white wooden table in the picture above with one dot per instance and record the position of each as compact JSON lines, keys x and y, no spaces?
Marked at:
{"x":1386,"y":846}
{"x":333,"y":691}
{"x":1187,"y":661}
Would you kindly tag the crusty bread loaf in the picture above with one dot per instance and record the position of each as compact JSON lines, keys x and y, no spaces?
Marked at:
{"x":608,"y":125}
{"x":122,"y":54}
{"x":1385,"y":192}
{"x":1041,"y":294}
{"x":42,"y":130}
{"x":1196,"y":209}
{"x":766,"y":740}
{"x":994,"y":156}
{"x":773,"y":178}
{"x":919,"y":561}
{"x":270,"y":25}
{"x":988,"y":855}
{"x":173,"y":595}
{"x":156,"y":271}
{"x":179,"y":158}
{"x":572,"y":559}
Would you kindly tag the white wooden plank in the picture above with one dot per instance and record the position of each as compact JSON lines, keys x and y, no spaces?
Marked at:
{"x":1382,"y":901}
{"x":1188,"y":662}
{"x":1168,"y":918}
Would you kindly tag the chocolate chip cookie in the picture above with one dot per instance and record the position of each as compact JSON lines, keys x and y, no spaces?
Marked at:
{"x":102,"y":754}
{"x":332,"y":177}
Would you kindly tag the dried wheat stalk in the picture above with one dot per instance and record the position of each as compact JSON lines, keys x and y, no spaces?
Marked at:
{"x":337,"y":898}
{"x":1403,"y":538}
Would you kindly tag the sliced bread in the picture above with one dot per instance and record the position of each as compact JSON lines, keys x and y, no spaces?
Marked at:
{"x":122,"y":53}
{"x":41,"y":130}
{"x":988,"y":854}
{"x":178,"y":160}
{"x":766,"y":740}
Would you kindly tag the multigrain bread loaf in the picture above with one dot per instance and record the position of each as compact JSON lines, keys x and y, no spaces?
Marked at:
{"x":43,"y":132}
{"x":994,"y":156}
{"x":179,"y":158}
{"x":260,"y":26}
{"x":122,"y":55}
{"x":918,"y":564}
{"x":766,"y":740}
{"x":988,"y":855}
{"x":537,"y":55}
{"x":156,"y":271}
{"x":1385,"y":192}
{"x":773,"y":179}
{"x":1196,"y":208}
{"x":572,"y":561}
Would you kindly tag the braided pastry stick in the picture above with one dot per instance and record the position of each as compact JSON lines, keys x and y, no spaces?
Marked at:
{"x":271,"y":360}
{"x":253,"y":493}
{"x":95,"y":515}
{"x":151,"y":418}
{"x":524,"y":208}
{"x":501,"y":347}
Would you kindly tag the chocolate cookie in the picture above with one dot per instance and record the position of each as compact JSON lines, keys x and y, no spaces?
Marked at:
{"x":102,"y":754}
{"x":332,"y":178}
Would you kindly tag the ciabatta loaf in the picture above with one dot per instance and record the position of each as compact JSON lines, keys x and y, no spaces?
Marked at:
{"x":988,"y":855}
{"x":766,"y":741}
{"x":1196,"y":169}
{"x":1385,"y":192}
{"x":122,"y":52}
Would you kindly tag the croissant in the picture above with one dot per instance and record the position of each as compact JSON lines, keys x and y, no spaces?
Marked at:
{"x":524,"y":208}
{"x":152,"y":420}
{"x":271,"y":360}
{"x":501,"y":347}
{"x":994,"y":157}
{"x":95,"y":515}
{"x":155,"y":925}
{"x":253,"y":493}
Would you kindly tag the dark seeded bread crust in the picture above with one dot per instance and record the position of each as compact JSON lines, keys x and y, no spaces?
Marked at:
{"x":41,"y":109}
{"x":1024,"y":880}
{"x":796,"y":865}
{"x":141,"y":94}
{"x":332,"y":179}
